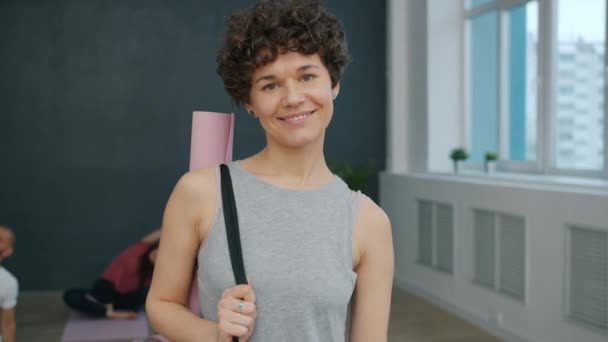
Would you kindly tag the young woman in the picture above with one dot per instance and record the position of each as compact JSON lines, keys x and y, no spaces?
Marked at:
{"x":311,"y":246}
{"x":120,"y":291}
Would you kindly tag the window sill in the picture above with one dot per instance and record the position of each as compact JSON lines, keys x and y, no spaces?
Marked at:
{"x":530,"y":181}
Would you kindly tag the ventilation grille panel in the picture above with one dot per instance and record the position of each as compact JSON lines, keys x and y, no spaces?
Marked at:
{"x":500,"y":252}
{"x":588,"y":276}
{"x":435,"y":235}
{"x":512,"y":256}
{"x":444,"y":237}
{"x":425,"y":233}
{"x":485,"y":261}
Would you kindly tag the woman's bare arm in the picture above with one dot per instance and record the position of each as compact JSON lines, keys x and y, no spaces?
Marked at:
{"x":372,"y":297}
{"x":188,"y":215}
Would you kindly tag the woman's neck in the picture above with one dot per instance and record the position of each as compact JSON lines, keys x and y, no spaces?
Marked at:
{"x":304,"y":167}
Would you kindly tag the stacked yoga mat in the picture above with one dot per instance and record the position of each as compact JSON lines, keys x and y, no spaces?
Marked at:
{"x":80,"y":328}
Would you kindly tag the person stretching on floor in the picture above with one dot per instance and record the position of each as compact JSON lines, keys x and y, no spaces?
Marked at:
{"x":121,"y":290}
{"x":9,"y":287}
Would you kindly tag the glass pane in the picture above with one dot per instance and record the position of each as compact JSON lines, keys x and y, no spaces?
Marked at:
{"x":522,"y":63}
{"x":579,"y":90}
{"x":475,"y":3}
{"x":483,"y":85}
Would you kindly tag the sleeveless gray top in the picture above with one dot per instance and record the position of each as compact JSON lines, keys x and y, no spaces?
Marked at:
{"x":297,"y":249}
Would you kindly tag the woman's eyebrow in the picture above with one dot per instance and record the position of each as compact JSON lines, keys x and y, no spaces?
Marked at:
{"x":307,"y":66}
{"x":265,"y":78}
{"x":272,"y":77}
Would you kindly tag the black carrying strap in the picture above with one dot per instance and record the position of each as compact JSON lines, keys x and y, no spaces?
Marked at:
{"x":232,"y":227}
{"x":231,"y":221}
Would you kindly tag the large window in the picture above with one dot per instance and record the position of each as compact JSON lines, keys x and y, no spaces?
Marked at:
{"x":536,"y":84}
{"x":521,"y":82}
{"x":579,"y":86}
{"x":484,"y":87}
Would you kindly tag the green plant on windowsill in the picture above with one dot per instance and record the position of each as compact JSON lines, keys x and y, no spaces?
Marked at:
{"x":489,"y":159}
{"x":457,"y":155}
{"x":355,"y":177}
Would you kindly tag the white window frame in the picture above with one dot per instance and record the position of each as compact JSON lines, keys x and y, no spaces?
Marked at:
{"x":545,"y":162}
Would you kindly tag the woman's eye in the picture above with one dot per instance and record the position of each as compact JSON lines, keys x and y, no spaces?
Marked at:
{"x":270,"y":86}
{"x":308,"y":77}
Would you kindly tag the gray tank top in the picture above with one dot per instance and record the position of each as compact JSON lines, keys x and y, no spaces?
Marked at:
{"x":297,"y":249}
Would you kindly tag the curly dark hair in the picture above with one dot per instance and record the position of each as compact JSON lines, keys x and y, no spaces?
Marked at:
{"x":256,"y":36}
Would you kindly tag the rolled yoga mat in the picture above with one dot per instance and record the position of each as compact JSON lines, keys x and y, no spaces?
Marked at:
{"x":211,"y":144}
{"x":81,"y":328}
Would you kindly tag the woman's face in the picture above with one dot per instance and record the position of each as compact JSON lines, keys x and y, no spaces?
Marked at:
{"x":293,"y":99}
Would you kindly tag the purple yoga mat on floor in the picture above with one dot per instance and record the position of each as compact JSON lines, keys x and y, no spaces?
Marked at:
{"x":80,"y":328}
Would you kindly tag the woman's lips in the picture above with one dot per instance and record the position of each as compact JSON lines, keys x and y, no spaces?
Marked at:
{"x":297,"y":117}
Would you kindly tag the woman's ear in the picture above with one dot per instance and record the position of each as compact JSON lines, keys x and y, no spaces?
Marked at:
{"x":335,"y":91}
{"x":250,"y":110}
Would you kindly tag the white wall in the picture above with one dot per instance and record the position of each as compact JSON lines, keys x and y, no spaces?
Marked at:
{"x":407,"y":86}
{"x":398,"y":97}
{"x":424,"y":93}
{"x":417,"y":79}
{"x":444,"y":85}
{"x":546,"y":212}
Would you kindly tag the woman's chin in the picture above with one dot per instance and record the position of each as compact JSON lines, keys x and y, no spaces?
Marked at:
{"x":299,"y":142}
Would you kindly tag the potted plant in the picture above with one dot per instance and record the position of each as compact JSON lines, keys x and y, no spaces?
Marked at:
{"x":490,"y":158}
{"x":457,"y":155}
{"x":355,"y":177}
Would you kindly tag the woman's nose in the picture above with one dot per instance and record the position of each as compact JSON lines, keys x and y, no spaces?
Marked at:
{"x":293,"y":95}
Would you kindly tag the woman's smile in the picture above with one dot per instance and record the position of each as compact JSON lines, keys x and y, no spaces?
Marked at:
{"x":297,"y":118}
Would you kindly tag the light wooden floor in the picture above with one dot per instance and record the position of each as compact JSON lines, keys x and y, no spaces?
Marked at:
{"x":41,"y":318}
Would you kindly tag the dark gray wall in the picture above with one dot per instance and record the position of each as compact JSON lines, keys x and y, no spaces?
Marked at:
{"x":95,"y":112}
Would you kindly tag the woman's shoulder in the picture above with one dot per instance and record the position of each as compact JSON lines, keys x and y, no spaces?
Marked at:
{"x":368,"y":213}
{"x":196,"y":194}
{"x":372,"y":221}
{"x":198,"y":183}
{"x":372,"y":230}
{"x":196,"y":191}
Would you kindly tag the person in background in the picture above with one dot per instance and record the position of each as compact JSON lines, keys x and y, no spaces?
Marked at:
{"x":121,"y":290}
{"x":9,"y":287}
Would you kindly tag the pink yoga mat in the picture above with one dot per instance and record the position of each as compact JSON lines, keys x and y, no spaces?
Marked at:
{"x":211,"y":142}
{"x":81,"y":328}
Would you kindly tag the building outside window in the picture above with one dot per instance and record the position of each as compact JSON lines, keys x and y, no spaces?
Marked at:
{"x":536,"y":84}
